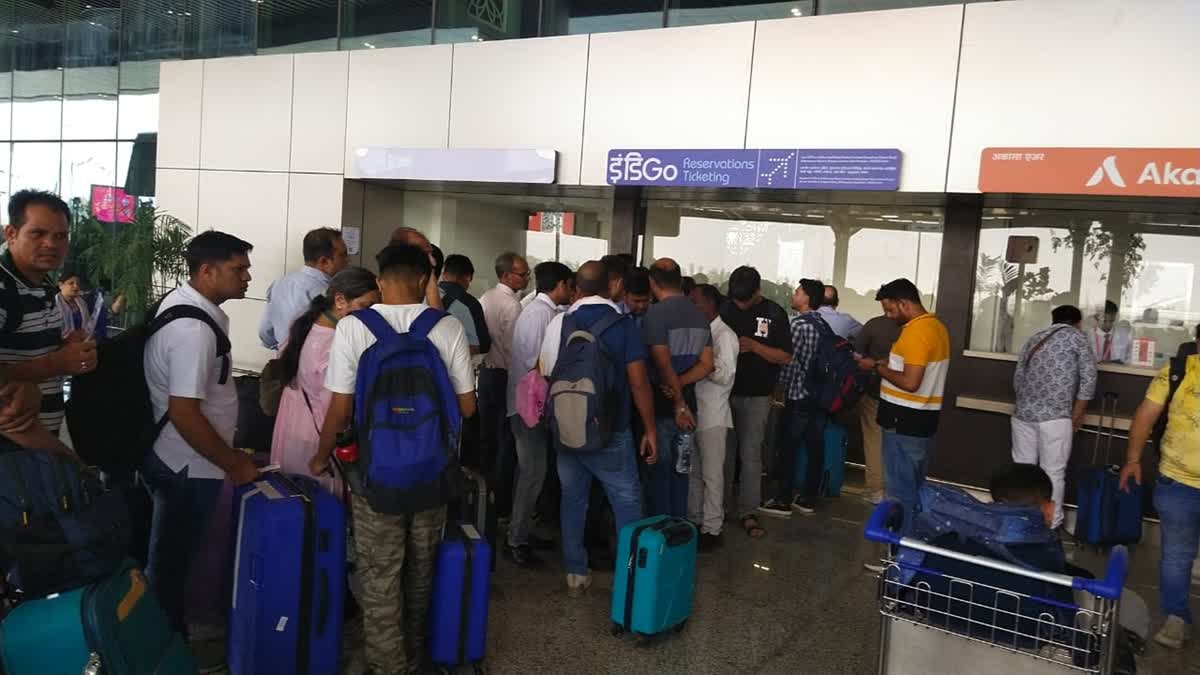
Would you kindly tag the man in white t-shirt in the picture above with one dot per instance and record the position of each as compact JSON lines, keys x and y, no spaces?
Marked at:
{"x":395,"y":549}
{"x":192,"y":390}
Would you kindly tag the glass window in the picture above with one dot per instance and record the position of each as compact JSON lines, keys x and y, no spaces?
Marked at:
{"x":855,"y":248}
{"x":138,"y":99}
{"x":562,"y":17}
{"x":88,"y":165}
{"x":697,"y":12}
{"x":371,"y":24}
{"x":174,"y":29}
{"x":477,"y":20}
{"x":93,"y":29}
{"x":5,"y":152}
{"x":36,"y":166}
{"x":291,"y":26}
{"x":37,"y":38}
{"x":844,"y":6}
{"x":1133,"y":275}
{"x":6,"y":76}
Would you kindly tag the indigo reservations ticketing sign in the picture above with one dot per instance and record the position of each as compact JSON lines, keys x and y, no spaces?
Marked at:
{"x":803,"y":169}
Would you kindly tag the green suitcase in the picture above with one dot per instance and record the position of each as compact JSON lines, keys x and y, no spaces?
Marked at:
{"x":114,"y":626}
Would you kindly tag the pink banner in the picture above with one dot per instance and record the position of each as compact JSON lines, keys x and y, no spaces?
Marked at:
{"x":112,"y":204}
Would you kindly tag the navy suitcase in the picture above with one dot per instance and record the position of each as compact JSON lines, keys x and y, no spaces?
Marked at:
{"x":1107,"y":515}
{"x":458,"y":614}
{"x":289,"y":578}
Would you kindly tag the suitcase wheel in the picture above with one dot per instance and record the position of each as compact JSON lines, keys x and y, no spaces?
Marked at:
{"x":679,"y":627}
{"x":617,"y":630}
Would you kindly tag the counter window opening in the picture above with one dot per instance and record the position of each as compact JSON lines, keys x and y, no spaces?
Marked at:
{"x":1132,"y":274}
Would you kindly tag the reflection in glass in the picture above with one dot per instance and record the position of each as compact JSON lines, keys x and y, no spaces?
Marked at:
{"x":5,"y":166}
{"x":698,"y":12}
{"x":562,"y":17}
{"x":138,"y":100}
{"x":294,"y":26}
{"x":90,"y":78}
{"x":35,"y":166}
{"x":37,"y":59}
{"x":845,"y":6}
{"x":372,"y":24}
{"x":6,"y":80}
{"x":478,"y":20}
{"x":1032,"y":260}
{"x":856,"y":248}
{"x":174,"y":29}
{"x":85,"y":165}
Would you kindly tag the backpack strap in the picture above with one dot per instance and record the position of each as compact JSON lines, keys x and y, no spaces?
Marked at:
{"x":374,"y":321}
{"x":604,"y":324}
{"x":1175,"y":376}
{"x":176,"y":312}
{"x":424,"y":323}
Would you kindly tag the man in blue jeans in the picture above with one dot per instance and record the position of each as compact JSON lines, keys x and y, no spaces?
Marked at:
{"x":615,"y":466}
{"x":913,"y":380}
{"x":680,"y":344}
{"x":1177,"y":492}
{"x":191,"y":386}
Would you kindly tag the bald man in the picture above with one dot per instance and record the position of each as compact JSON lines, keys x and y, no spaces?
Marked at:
{"x":615,"y":466}
{"x":414,"y":237}
{"x":680,"y":344}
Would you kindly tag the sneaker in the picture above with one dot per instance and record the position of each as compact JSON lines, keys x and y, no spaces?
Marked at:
{"x":874,"y":497}
{"x":805,"y":507}
{"x":577,"y":584}
{"x":1174,"y":633}
{"x":709,"y":542}
{"x":776,"y":508}
{"x":522,"y":556}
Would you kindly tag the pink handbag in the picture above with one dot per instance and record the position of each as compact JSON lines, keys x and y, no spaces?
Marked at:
{"x":531,"y":397}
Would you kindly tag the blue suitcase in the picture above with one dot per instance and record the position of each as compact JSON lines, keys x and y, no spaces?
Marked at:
{"x":114,"y":626}
{"x":458,"y":614}
{"x":1107,"y":515}
{"x":834,"y":473}
{"x":289,"y":578}
{"x":652,"y":593}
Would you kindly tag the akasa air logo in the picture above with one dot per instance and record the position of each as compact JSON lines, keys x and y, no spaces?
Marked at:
{"x":1166,"y":174}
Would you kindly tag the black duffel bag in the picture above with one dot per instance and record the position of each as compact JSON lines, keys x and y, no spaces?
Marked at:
{"x":59,"y":527}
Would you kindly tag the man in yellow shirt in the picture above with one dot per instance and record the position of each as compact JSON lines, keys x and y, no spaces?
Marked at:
{"x":1177,"y":492}
{"x":910,"y":395}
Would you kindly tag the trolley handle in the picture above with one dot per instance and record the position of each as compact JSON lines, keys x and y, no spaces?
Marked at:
{"x":884,"y":523}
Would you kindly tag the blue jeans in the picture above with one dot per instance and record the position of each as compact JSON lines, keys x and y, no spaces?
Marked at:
{"x":1178,"y":507}
{"x":183,"y":510}
{"x":666,"y":490}
{"x":905,"y":460}
{"x":616,"y":469}
{"x":803,"y":425}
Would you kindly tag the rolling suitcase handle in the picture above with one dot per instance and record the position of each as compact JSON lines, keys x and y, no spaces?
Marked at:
{"x":1111,"y":412}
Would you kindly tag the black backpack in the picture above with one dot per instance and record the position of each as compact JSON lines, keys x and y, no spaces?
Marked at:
{"x":59,"y":528}
{"x":109,"y":415}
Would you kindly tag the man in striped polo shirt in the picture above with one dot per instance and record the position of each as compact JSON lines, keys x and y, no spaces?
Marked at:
{"x":31,"y":341}
{"x":913,"y":380}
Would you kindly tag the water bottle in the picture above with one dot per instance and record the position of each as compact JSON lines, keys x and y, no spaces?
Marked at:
{"x":684,"y":440}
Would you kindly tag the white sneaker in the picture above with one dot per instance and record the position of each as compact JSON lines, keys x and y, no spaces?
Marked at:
{"x":875,"y":497}
{"x":1173,"y":634}
{"x":577,"y":584}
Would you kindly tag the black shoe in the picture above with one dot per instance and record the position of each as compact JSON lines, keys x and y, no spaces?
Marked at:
{"x":805,"y":507}
{"x":541,"y":544}
{"x":522,"y":556}
{"x":710,"y":542}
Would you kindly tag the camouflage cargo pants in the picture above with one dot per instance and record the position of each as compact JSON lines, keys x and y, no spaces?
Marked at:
{"x":395,"y":562}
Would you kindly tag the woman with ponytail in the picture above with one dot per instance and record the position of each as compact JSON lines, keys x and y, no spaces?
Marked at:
{"x":304,"y":357}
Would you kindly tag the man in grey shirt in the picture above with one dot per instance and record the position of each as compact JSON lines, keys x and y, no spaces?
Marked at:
{"x":1055,"y":379}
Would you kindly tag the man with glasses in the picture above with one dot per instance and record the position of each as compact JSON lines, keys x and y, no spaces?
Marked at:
{"x":500,"y":309}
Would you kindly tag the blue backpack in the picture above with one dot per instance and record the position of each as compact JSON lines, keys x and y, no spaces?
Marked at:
{"x":834,"y":379}
{"x":582,"y":401}
{"x":406,"y":416}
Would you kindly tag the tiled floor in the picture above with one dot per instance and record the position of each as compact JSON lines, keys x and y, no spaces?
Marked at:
{"x":797,"y":601}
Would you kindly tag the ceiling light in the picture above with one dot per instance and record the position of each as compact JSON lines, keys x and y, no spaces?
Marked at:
{"x":169,"y":11}
{"x":368,"y":45}
{"x":796,"y":11}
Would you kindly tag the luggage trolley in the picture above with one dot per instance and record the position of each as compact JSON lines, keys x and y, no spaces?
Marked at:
{"x":938,"y":624}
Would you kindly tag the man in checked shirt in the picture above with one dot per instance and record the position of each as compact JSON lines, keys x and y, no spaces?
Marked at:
{"x":804,"y":423}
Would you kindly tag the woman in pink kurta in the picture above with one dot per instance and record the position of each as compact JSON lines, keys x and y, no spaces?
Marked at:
{"x":305,"y":357}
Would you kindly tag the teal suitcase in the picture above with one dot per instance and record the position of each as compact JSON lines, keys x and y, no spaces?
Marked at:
{"x":834,"y":473}
{"x":655,"y":576}
{"x":114,"y":626}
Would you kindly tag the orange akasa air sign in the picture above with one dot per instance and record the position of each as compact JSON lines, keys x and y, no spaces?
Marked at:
{"x":1122,"y":172}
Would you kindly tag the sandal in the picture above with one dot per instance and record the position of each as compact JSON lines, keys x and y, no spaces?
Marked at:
{"x":752,"y":527}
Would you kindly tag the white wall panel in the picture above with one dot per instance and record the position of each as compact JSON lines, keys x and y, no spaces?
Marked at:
{"x":1075,"y":73}
{"x":522,"y":94}
{"x":398,"y":97}
{"x":247,"y":113}
{"x":248,"y":352}
{"x":177,"y":193}
{"x":181,"y":87}
{"x":868,"y":80}
{"x":319,"y":112}
{"x":253,"y":206}
{"x":672,"y":88}
{"x":314,"y":200}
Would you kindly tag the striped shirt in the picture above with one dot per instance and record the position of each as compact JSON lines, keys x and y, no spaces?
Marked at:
{"x":38,"y":334}
{"x":923,"y":342}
